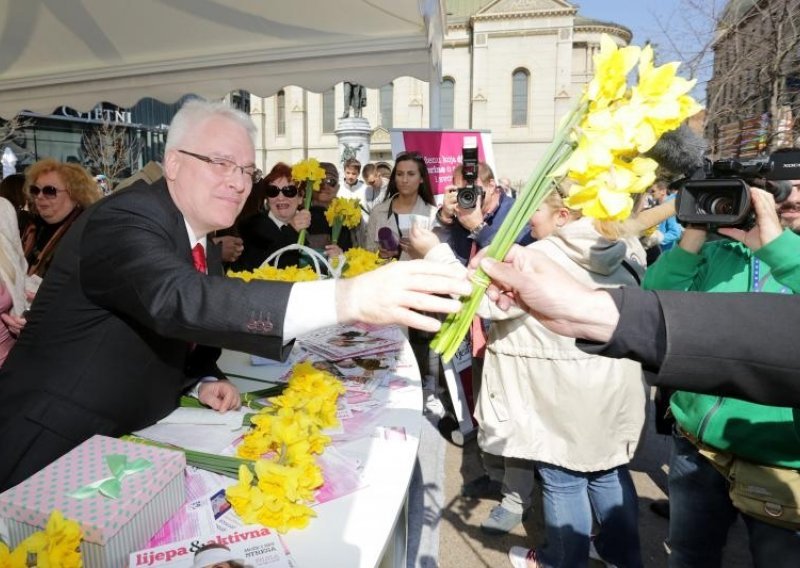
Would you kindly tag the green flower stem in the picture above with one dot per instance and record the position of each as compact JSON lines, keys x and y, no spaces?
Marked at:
{"x":301,"y":239}
{"x":538,"y":186}
{"x":336,"y":230}
{"x":224,"y":465}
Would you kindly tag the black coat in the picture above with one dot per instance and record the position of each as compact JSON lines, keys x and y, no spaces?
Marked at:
{"x":736,"y":345}
{"x":106,"y":348}
{"x":262,"y":237}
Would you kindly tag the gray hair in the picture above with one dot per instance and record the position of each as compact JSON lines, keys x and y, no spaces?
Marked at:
{"x":197,"y":111}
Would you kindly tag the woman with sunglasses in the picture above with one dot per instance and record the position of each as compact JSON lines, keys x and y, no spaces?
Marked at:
{"x":277,"y":226}
{"x":409,"y":199}
{"x":58,"y":193}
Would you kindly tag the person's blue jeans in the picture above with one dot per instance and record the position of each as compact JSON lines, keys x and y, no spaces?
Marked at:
{"x":701,"y":513}
{"x":572,"y":500}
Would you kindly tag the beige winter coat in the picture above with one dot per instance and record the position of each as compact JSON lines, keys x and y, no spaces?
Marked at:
{"x":544,"y":399}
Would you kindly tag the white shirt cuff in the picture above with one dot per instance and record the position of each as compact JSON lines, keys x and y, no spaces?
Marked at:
{"x":312,"y":305}
{"x":195,"y":392}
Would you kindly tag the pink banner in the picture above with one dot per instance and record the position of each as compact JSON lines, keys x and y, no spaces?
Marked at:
{"x":441,"y":150}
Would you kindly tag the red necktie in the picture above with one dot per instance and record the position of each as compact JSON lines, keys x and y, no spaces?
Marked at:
{"x":199,"y":257}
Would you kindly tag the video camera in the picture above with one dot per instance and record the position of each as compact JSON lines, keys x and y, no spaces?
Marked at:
{"x":718,"y":193}
{"x":467,"y":196}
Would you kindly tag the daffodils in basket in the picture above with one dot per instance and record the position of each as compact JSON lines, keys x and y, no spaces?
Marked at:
{"x":284,"y":441}
{"x":288,"y":274}
{"x":310,"y":172}
{"x":57,"y":546}
{"x":598,"y":148}
{"x":343,"y":212}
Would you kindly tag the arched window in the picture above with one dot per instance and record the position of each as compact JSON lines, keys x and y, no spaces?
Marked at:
{"x":448,"y":102}
{"x":328,"y":111}
{"x":519,"y":97}
{"x":280,"y":113}
{"x":387,"y":105}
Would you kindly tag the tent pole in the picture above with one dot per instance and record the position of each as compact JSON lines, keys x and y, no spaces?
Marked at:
{"x":435,"y":98}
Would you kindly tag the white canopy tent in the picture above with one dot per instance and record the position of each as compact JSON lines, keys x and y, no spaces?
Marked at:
{"x":81,"y":52}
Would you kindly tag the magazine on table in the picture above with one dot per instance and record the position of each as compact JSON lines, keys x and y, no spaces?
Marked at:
{"x":251,"y":546}
{"x":357,"y":340}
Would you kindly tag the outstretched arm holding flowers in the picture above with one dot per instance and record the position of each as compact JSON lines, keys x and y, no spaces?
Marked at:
{"x":598,"y":149}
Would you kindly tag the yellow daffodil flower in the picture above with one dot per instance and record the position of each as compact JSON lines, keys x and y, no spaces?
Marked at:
{"x":283,"y":440}
{"x":612,"y":66}
{"x":57,"y":546}
{"x":309,"y":171}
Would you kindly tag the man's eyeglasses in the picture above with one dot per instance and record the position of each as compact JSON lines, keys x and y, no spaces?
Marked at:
{"x":47,"y":191}
{"x":331,"y":181}
{"x":226,"y":167}
{"x":288,"y":191}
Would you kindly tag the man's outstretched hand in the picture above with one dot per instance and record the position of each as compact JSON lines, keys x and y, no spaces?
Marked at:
{"x":546,"y":291}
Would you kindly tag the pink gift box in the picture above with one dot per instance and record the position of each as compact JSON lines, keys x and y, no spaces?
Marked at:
{"x":112,"y":528}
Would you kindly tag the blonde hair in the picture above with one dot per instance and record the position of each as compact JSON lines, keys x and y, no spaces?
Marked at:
{"x":81,"y":186}
{"x":611,"y":230}
{"x":555,"y":200}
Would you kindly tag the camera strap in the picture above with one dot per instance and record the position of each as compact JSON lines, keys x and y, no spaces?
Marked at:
{"x":759,"y":281}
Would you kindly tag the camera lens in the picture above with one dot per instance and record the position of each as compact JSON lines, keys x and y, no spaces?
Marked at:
{"x":467,"y":197}
{"x":710,"y":204}
{"x":722,"y":206}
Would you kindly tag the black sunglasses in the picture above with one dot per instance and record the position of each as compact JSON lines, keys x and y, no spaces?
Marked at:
{"x":288,"y":191}
{"x":331,"y":181}
{"x":47,"y":191}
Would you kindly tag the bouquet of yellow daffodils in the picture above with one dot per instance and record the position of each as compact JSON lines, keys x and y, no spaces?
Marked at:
{"x":284,"y":441}
{"x":312,"y":174}
{"x":288,"y":274}
{"x":57,"y":546}
{"x":598,"y":149}
{"x":343,"y":212}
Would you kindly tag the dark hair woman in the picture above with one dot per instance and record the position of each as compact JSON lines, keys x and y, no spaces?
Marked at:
{"x":409,"y":200}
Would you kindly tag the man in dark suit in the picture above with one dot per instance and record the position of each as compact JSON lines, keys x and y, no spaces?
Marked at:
{"x":113,"y":338}
{"x":738,"y":345}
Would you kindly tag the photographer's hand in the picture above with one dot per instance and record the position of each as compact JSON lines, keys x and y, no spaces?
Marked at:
{"x":449,"y":202}
{"x":693,"y":239}
{"x":768,"y":224}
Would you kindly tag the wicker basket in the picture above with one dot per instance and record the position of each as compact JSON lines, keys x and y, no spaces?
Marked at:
{"x":318,"y":259}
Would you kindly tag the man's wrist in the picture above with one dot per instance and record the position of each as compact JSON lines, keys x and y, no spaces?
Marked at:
{"x":345,"y":301}
{"x":194,"y":392}
{"x":600,"y":317}
{"x":475,"y":231}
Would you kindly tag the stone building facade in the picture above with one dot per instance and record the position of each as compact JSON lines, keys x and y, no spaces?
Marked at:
{"x":754,"y":93}
{"x":513,"y":67}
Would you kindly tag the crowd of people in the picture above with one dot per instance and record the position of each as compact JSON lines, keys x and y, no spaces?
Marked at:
{"x":113,"y":306}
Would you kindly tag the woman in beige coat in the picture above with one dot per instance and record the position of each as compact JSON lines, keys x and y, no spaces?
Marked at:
{"x":577,"y":416}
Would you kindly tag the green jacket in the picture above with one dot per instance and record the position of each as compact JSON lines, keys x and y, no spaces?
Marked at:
{"x":759,"y":433}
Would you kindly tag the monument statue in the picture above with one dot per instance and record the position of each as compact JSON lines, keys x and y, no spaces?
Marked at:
{"x":355,"y":96}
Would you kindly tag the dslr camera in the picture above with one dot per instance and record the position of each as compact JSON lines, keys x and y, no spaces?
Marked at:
{"x":718,"y":193}
{"x":467,"y":196}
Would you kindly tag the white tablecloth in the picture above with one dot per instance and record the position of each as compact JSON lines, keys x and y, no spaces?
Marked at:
{"x":366,"y":528}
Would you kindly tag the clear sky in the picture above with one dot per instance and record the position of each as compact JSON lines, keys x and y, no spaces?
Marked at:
{"x":678,"y":29}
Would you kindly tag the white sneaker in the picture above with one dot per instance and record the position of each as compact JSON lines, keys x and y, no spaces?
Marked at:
{"x":594,"y":555}
{"x":521,"y":557}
